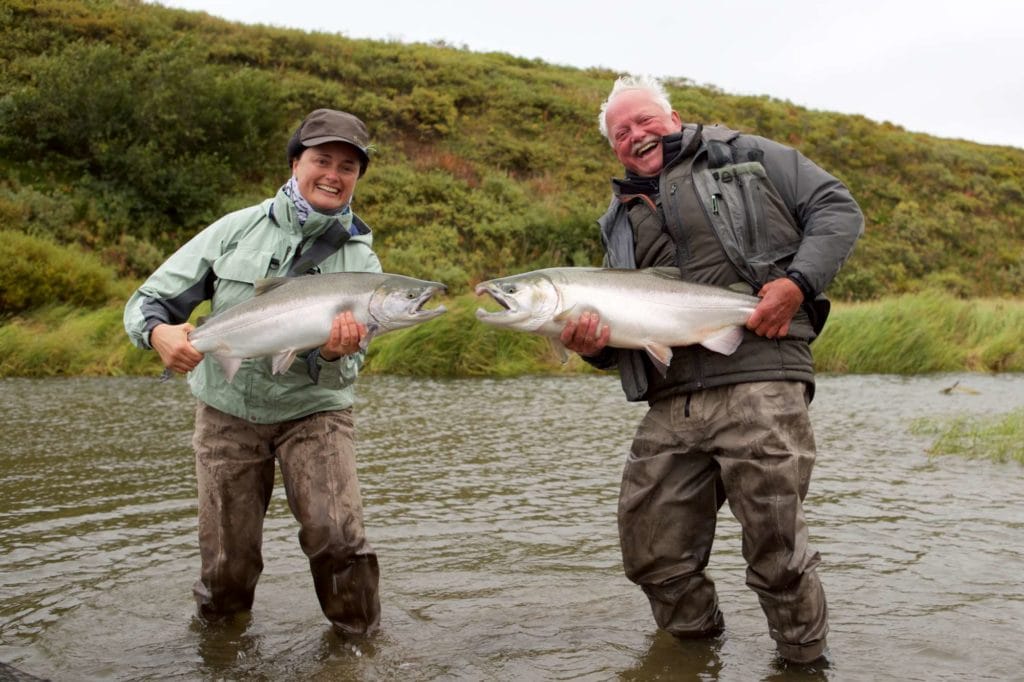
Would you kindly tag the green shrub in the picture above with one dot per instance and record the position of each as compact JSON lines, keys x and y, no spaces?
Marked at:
{"x":171,"y":131}
{"x":39,"y":273}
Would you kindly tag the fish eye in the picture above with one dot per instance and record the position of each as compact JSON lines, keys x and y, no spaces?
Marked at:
{"x":509,"y":288}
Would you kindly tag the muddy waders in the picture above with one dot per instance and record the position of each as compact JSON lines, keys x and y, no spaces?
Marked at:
{"x":235,"y":475}
{"x":754,"y":442}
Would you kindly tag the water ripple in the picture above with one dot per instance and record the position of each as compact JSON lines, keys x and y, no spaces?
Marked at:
{"x":491,"y":504}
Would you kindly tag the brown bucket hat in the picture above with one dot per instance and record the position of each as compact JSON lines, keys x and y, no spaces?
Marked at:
{"x":331,"y":125}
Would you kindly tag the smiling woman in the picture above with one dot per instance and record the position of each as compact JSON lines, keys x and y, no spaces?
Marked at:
{"x":326,"y":175}
{"x":253,"y":410}
{"x":328,"y":154}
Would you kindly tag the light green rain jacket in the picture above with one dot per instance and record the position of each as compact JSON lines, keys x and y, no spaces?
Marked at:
{"x":220,"y":264}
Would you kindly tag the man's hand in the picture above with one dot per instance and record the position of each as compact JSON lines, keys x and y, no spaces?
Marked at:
{"x":586,"y":335}
{"x":170,"y":341}
{"x":780,"y":299}
{"x":346,"y":334}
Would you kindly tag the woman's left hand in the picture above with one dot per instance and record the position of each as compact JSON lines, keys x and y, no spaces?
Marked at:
{"x":346,"y":334}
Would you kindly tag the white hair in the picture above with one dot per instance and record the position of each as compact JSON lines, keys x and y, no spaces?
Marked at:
{"x":648,"y":84}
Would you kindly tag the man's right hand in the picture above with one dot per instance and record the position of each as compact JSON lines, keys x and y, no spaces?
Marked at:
{"x":171,"y":342}
{"x":586,"y":336}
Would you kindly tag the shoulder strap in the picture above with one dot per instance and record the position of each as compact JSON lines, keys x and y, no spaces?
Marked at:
{"x":323,"y":246}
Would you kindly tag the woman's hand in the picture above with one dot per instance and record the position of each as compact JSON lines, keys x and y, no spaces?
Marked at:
{"x":346,"y":335}
{"x":171,"y":342}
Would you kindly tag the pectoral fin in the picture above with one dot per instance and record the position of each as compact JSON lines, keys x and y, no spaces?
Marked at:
{"x":560,"y":350}
{"x":725,"y":342}
{"x":228,"y":365}
{"x":282,"y":361}
{"x":567,"y":314}
{"x":660,"y":355}
{"x":371,"y":331}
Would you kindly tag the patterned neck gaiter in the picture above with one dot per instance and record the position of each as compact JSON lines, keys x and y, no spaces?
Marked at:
{"x":302,"y":207}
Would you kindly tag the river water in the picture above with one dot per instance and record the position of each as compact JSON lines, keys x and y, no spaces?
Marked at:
{"x":491,"y":504}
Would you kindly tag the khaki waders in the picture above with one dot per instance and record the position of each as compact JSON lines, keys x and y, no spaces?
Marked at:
{"x":235,"y":475}
{"x":753,"y":442}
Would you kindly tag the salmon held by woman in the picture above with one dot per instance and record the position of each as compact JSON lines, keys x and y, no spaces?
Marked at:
{"x":289,"y":315}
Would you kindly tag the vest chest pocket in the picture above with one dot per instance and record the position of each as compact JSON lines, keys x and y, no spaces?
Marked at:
{"x":750,"y":218}
{"x":237,"y":271}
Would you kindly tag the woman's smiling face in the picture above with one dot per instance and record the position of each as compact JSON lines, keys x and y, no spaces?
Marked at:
{"x":327,"y":175}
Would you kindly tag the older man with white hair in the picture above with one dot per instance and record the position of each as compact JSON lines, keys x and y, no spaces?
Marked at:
{"x":743,"y":212}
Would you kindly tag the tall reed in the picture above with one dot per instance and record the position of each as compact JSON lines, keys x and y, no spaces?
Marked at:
{"x":922,"y":333}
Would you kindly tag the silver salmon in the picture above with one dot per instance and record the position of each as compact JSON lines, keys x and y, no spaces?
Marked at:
{"x":289,"y":315}
{"x":650,"y":309}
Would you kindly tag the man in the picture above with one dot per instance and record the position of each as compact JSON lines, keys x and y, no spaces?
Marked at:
{"x":735,"y":211}
{"x":301,"y":418}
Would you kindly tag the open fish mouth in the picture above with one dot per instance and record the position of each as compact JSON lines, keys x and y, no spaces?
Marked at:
{"x":416,"y":308}
{"x":508,"y":305}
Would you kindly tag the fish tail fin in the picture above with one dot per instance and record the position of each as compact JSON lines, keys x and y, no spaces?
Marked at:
{"x":726,"y":341}
{"x":660,"y":355}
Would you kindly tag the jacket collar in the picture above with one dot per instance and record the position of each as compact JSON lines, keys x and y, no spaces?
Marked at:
{"x":282,"y":211}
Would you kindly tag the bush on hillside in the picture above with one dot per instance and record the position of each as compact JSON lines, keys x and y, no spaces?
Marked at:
{"x":39,"y":273}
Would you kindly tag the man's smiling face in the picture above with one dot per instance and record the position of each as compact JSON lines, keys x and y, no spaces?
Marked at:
{"x":636,"y":124}
{"x":327,"y":175}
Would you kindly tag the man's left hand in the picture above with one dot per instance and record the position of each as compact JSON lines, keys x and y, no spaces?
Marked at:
{"x":346,"y":333}
{"x":780,"y":299}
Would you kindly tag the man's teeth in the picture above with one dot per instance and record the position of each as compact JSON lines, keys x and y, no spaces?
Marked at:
{"x":325,"y":188}
{"x":646,"y":148}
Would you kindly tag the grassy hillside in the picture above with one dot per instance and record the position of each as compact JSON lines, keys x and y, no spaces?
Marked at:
{"x":125,"y":128}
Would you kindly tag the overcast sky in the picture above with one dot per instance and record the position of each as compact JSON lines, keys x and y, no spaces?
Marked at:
{"x":947,"y":68}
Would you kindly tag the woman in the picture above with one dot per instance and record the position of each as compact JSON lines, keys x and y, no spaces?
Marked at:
{"x":302,"y":418}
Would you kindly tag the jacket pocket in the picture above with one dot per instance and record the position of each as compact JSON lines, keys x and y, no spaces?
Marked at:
{"x":236,"y":273}
{"x":752,"y":221}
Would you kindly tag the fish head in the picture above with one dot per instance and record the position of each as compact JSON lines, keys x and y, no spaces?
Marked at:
{"x":398,"y":302}
{"x":527,"y":301}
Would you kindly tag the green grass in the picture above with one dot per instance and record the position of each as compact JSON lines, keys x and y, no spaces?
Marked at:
{"x":999,"y":438}
{"x":922,"y":333}
{"x":457,"y":345}
{"x":61,"y":341}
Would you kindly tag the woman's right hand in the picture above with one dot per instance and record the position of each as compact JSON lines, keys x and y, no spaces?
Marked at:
{"x":172,"y":344}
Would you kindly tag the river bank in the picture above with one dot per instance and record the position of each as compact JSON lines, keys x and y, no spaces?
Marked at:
{"x":908,"y":335}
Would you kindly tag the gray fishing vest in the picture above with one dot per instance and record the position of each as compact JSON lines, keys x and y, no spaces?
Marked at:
{"x":752,"y":223}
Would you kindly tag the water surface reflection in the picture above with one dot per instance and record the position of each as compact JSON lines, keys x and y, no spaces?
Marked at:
{"x":491,"y":505}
